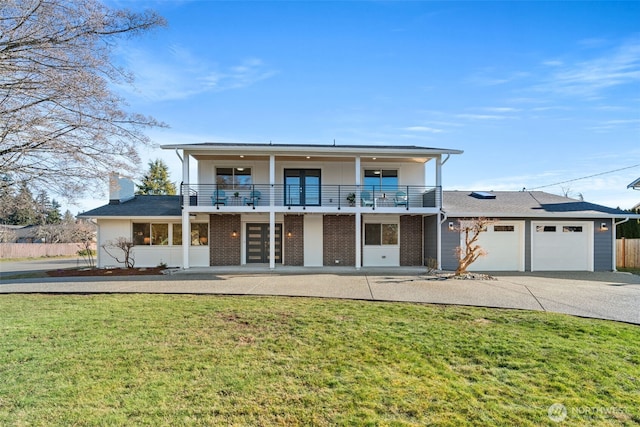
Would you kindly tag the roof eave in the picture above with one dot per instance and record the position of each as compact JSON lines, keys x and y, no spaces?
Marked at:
{"x":311,"y":149}
{"x":567,"y":215}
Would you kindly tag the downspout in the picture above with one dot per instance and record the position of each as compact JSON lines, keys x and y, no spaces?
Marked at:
{"x":614,"y":232}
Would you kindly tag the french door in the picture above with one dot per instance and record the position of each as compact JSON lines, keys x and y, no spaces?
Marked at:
{"x":258,"y":243}
{"x":302,"y":187}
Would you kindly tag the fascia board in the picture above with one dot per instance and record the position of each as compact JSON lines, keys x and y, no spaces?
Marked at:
{"x":574,"y":215}
{"x":125,"y":217}
{"x":311,"y":150}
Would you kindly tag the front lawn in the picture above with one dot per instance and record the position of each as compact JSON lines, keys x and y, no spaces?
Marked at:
{"x":211,"y":360}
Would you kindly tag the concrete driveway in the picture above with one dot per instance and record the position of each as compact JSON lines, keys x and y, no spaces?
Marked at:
{"x":614,"y":296}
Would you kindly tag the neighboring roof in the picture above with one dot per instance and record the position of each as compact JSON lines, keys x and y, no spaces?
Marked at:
{"x":524,"y":204}
{"x":311,"y":148}
{"x":139,"y":206}
{"x":635,"y":184}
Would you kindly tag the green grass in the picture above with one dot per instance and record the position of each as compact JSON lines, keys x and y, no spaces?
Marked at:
{"x":211,"y":360}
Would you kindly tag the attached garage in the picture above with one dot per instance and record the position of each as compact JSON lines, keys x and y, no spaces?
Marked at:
{"x":561,"y":246}
{"x":504,"y":243}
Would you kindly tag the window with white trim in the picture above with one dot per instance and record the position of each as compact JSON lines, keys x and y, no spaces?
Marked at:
{"x":168,"y":234}
{"x":233,"y":178}
{"x":380,"y":234}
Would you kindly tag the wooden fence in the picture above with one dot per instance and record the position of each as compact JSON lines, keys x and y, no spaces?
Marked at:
{"x":628,"y":253}
{"x":36,"y":250}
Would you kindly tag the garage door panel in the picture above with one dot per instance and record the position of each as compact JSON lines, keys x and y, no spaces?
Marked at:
{"x":504,"y":244}
{"x":562,"y":246}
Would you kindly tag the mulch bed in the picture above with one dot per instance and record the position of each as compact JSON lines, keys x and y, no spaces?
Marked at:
{"x":152,"y":271}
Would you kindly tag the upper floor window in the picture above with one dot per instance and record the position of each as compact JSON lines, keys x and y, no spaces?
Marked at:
{"x":381,"y":180}
{"x":233,"y":178}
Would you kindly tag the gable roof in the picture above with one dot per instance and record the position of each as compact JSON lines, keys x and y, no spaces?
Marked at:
{"x":635,"y":184}
{"x":139,"y":206}
{"x":524,"y":204}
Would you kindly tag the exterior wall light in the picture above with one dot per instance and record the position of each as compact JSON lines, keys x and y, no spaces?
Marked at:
{"x":289,"y":234}
{"x":234,"y":233}
{"x":604,"y":226}
{"x":451,"y":227}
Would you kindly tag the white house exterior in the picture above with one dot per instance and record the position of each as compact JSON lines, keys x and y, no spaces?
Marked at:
{"x":327,"y":205}
{"x":356,"y":206}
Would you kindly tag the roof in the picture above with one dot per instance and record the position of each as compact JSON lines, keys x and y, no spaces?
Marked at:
{"x":635,"y":184}
{"x":524,"y":204}
{"x":139,"y":206}
{"x":293,"y":149}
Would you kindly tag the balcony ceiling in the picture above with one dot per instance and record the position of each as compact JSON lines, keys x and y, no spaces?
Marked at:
{"x":298,"y":158}
{"x":300,"y":152}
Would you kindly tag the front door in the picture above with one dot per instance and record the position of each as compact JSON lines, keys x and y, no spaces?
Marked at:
{"x":258,"y":243}
{"x":302,"y":187}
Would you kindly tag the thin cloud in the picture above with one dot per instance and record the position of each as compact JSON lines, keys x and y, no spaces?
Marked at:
{"x":483,"y":117}
{"x":423,"y":129}
{"x":589,"y":78}
{"x":181,"y":75}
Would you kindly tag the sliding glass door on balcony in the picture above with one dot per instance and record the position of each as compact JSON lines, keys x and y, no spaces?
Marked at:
{"x":302,"y":187}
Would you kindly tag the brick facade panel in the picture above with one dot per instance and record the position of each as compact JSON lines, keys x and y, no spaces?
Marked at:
{"x":411,"y":240}
{"x":294,"y":244}
{"x":339,"y":240}
{"x":224,"y":248}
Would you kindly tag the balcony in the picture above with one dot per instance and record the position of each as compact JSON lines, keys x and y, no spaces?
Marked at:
{"x":314,"y":197}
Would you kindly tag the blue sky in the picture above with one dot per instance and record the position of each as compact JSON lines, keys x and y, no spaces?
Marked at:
{"x":535,"y":93}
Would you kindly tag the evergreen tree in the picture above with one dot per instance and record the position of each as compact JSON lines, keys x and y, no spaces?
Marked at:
{"x":53,"y":214}
{"x":24,"y":212}
{"x":156,"y":181}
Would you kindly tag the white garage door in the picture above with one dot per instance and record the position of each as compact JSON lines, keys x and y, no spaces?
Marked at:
{"x":562,"y":246}
{"x":504,"y":243}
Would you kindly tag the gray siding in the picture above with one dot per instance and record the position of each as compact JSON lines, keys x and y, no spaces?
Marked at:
{"x":602,"y":243}
{"x":450,"y":240}
{"x":430,"y":229}
{"x":602,"y":246}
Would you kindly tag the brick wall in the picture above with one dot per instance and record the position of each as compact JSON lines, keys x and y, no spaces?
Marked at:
{"x":224,"y":249}
{"x":410,"y":240}
{"x":339,"y":240}
{"x":294,"y":245}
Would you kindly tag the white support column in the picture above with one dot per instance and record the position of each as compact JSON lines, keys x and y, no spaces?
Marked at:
{"x":272,"y":180}
{"x":272,"y":213}
{"x":439,"y":180}
{"x":358,"y":240}
{"x":185,"y":167}
{"x":186,"y":226}
{"x":358,"y":216}
{"x":186,"y":236}
{"x":439,"y":240}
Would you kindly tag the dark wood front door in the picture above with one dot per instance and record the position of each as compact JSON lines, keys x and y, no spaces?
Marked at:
{"x":258,"y":243}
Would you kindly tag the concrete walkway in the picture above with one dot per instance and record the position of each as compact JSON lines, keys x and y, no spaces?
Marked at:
{"x":614,"y":296}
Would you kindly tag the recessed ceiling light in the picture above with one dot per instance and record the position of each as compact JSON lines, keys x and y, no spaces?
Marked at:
{"x":242,"y":156}
{"x":373,"y":158}
{"x":308,"y":157}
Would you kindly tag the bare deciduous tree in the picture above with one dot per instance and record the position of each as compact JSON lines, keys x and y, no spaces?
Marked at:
{"x":470,"y":250}
{"x":63,"y":128}
{"x":125,"y":245}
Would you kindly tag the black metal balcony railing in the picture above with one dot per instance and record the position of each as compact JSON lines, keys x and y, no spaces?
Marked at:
{"x":331,"y":196}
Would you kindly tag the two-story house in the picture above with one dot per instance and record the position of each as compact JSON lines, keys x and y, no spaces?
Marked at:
{"x":293,"y":204}
{"x":357,"y":206}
